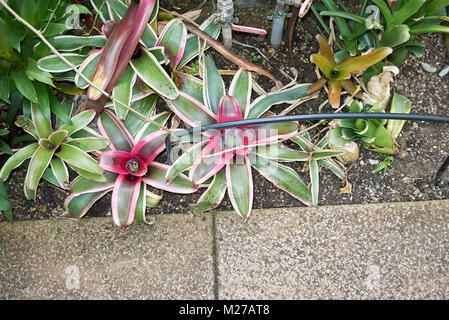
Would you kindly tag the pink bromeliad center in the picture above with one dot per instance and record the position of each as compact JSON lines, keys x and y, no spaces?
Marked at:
{"x":136,"y":166}
{"x":237,"y":137}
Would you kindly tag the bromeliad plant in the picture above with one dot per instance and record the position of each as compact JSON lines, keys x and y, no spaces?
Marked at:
{"x":337,"y":74}
{"x":228,"y":155}
{"x":130,"y":63}
{"x":376,"y":135}
{"x":130,"y":167}
{"x":396,"y":24}
{"x":57,"y":149}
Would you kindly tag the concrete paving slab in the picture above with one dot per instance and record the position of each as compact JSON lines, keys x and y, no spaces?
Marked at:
{"x":93,"y":259}
{"x":376,"y":251}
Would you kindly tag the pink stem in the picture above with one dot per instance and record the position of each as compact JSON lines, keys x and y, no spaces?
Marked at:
{"x":252,"y":30}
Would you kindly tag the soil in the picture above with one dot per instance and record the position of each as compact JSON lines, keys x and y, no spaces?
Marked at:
{"x":422,"y":145}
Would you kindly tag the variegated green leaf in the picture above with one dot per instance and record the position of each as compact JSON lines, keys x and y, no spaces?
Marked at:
{"x":54,"y":64}
{"x":73,"y":43}
{"x":39,"y":162}
{"x":87,"y":68}
{"x":17,"y":159}
{"x":185,"y":161}
{"x":40,"y":121}
{"x":123,"y":91}
{"x":89,"y":144}
{"x":214,"y":88}
{"x":240,"y":186}
{"x":264,"y":103}
{"x":173,"y":39}
{"x":78,"y":158}
{"x":78,"y":122}
{"x":326,"y":153}
{"x":240,"y":89}
{"x":279,"y":152}
{"x":399,"y":104}
{"x":193,"y":44}
{"x":214,"y":194}
{"x":283,"y":177}
{"x":315,"y":180}
{"x":150,"y":71}
{"x":60,"y":172}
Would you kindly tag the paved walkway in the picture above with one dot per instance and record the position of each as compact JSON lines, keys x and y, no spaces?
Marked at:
{"x":382,"y":251}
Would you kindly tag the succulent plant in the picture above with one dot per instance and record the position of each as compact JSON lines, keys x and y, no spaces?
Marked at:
{"x":57,"y":149}
{"x":337,"y":75}
{"x":130,"y":167}
{"x":228,"y":155}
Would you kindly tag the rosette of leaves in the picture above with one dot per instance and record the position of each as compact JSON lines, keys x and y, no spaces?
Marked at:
{"x":19,"y":50}
{"x":337,"y":74}
{"x":322,"y":157}
{"x":227,"y":156}
{"x":130,"y":64}
{"x":130,"y":167}
{"x":394,"y":24}
{"x":55,"y":149}
{"x":375,"y":134}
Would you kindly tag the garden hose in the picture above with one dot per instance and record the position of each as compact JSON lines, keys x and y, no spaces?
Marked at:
{"x":311,"y":117}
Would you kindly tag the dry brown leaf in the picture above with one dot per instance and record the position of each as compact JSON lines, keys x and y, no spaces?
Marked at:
{"x":379,"y":87}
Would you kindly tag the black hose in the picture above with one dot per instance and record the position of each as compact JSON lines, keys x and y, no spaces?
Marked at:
{"x":311,"y":117}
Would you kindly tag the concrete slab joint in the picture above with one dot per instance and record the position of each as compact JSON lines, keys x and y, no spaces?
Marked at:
{"x":380,"y":251}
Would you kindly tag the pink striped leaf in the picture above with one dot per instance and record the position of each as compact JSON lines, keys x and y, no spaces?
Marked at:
{"x":107,"y":64}
{"x":115,"y":161}
{"x":214,"y":194}
{"x":173,"y":38}
{"x":240,"y":185}
{"x":150,"y":146}
{"x":113,"y":129}
{"x":124,"y":199}
{"x":156,"y":178}
{"x":229,"y":110}
{"x":207,"y":164}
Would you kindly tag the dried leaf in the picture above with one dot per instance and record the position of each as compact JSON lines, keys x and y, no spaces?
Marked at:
{"x":379,"y":87}
{"x":347,"y":189}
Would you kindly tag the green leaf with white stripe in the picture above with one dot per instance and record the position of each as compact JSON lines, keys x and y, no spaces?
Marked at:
{"x":315,"y":180}
{"x":123,"y":91}
{"x":240,"y":89}
{"x":279,"y":152}
{"x":214,"y":88}
{"x":60,"y":172}
{"x":54,"y":64}
{"x":78,"y":158}
{"x":150,"y":71}
{"x":264,"y":103}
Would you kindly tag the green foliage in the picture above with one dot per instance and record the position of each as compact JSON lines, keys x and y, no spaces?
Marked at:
{"x":20,"y":48}
{"x":337,"y":71}
{"x":67,"y":144}
{"x":5,"y":204}
{"x":395,"y":25}
{"x":384,"y":165}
